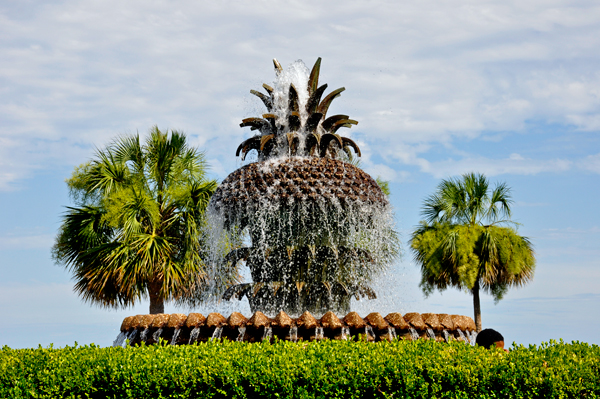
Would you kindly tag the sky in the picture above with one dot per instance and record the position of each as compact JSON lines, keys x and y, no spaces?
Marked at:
{"x":506,"y":88}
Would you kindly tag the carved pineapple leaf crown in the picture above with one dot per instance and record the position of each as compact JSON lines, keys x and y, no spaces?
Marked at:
{"x":308,"y":133}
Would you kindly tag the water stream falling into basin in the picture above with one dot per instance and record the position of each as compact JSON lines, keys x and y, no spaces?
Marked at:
{"x":267,"y":334}
{"x":131,"y":336}
{"x":175,"y":336}
{"x":194,"y":335}
{"x":431,"y":334}
{"x":120,"y":339}
{"x":217,"y":333}
{"x":462,"y":336}
{"x":446,"y":335}
{"x":471,"y":337}
{"x":319,"y":333}
{"x":293,"y":333}
{"x":345,"y":332}
{"x":414,"y":335}
{"x":369,"y":333}
{"x":157,"y":334}
{"x":392,"y":333}
{"x":144,"y":335}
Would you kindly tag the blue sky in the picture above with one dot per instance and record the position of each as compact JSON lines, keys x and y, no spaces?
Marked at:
{"x":507,"y":88}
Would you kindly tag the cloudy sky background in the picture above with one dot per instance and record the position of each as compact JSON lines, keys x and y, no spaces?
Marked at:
{"x":507,"y":88}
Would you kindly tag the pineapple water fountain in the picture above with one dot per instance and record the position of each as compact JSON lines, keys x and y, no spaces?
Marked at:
{"x":319,"y":228}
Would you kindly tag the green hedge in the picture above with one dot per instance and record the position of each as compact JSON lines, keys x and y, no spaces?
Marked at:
{"x":329,"y":369}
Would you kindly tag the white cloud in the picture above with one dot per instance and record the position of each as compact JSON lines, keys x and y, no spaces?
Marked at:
{"x":78,"y":73}
{"x":591,"y":163}
{"x":386,"y":173}
{"x":494,"y":167}
{"x":513,"y":164}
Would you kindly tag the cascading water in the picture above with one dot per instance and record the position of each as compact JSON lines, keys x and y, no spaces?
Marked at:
{"x":268,"y":334}
{"x":217,"y":333}
{"x":175,"y":336}
{"x":144,"y":335}
{"x":320,"y":228}
{"x":157,"y":334}
{"x":414,"y":335}
{"x":120,"y":339}
{"x":345,"y":333}
{"x":446,"y":335}
{"x":319,"y":333}
{"x":194,"y":335}
{"x":369,"y":333}
{"x":431,"y":333}
{"x":471,"y":337}
{"x":392,"y":333}
{"x":293,"y":333}
{"x":132,"y":336}
{"x":374,"y":327}
{"x":241,"y":333}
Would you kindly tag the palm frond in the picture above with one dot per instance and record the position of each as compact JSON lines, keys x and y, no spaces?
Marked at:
{"x":127,"y":149}
{"x":500,"y":203}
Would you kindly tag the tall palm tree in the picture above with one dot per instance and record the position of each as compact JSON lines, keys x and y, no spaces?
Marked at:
{"x":136,"y":231}
{"x":466,"y":241}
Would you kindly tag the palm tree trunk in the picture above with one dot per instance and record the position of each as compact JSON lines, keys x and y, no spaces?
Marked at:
{"x":477,"y":305}
{"x":157,"y":302}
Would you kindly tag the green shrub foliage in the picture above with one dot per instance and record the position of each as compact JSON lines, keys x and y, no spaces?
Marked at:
{"x":329,"y":369}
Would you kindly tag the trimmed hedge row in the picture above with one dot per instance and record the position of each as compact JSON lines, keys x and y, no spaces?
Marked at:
{"x":328,"y":369}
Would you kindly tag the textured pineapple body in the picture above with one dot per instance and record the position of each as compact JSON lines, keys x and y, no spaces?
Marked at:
{"x":295,"y":180}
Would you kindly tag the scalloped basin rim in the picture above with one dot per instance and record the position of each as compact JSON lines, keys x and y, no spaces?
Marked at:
{"x":195,"y":327}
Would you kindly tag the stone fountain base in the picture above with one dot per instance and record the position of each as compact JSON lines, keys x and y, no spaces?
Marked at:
{"x":179,"y":329}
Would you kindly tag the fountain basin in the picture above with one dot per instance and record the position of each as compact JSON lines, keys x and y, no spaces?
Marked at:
{"x":179,"y":329}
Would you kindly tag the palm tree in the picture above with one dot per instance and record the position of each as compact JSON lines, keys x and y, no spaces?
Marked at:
{"x":465,"y":241}
{"x":136,"y":231}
